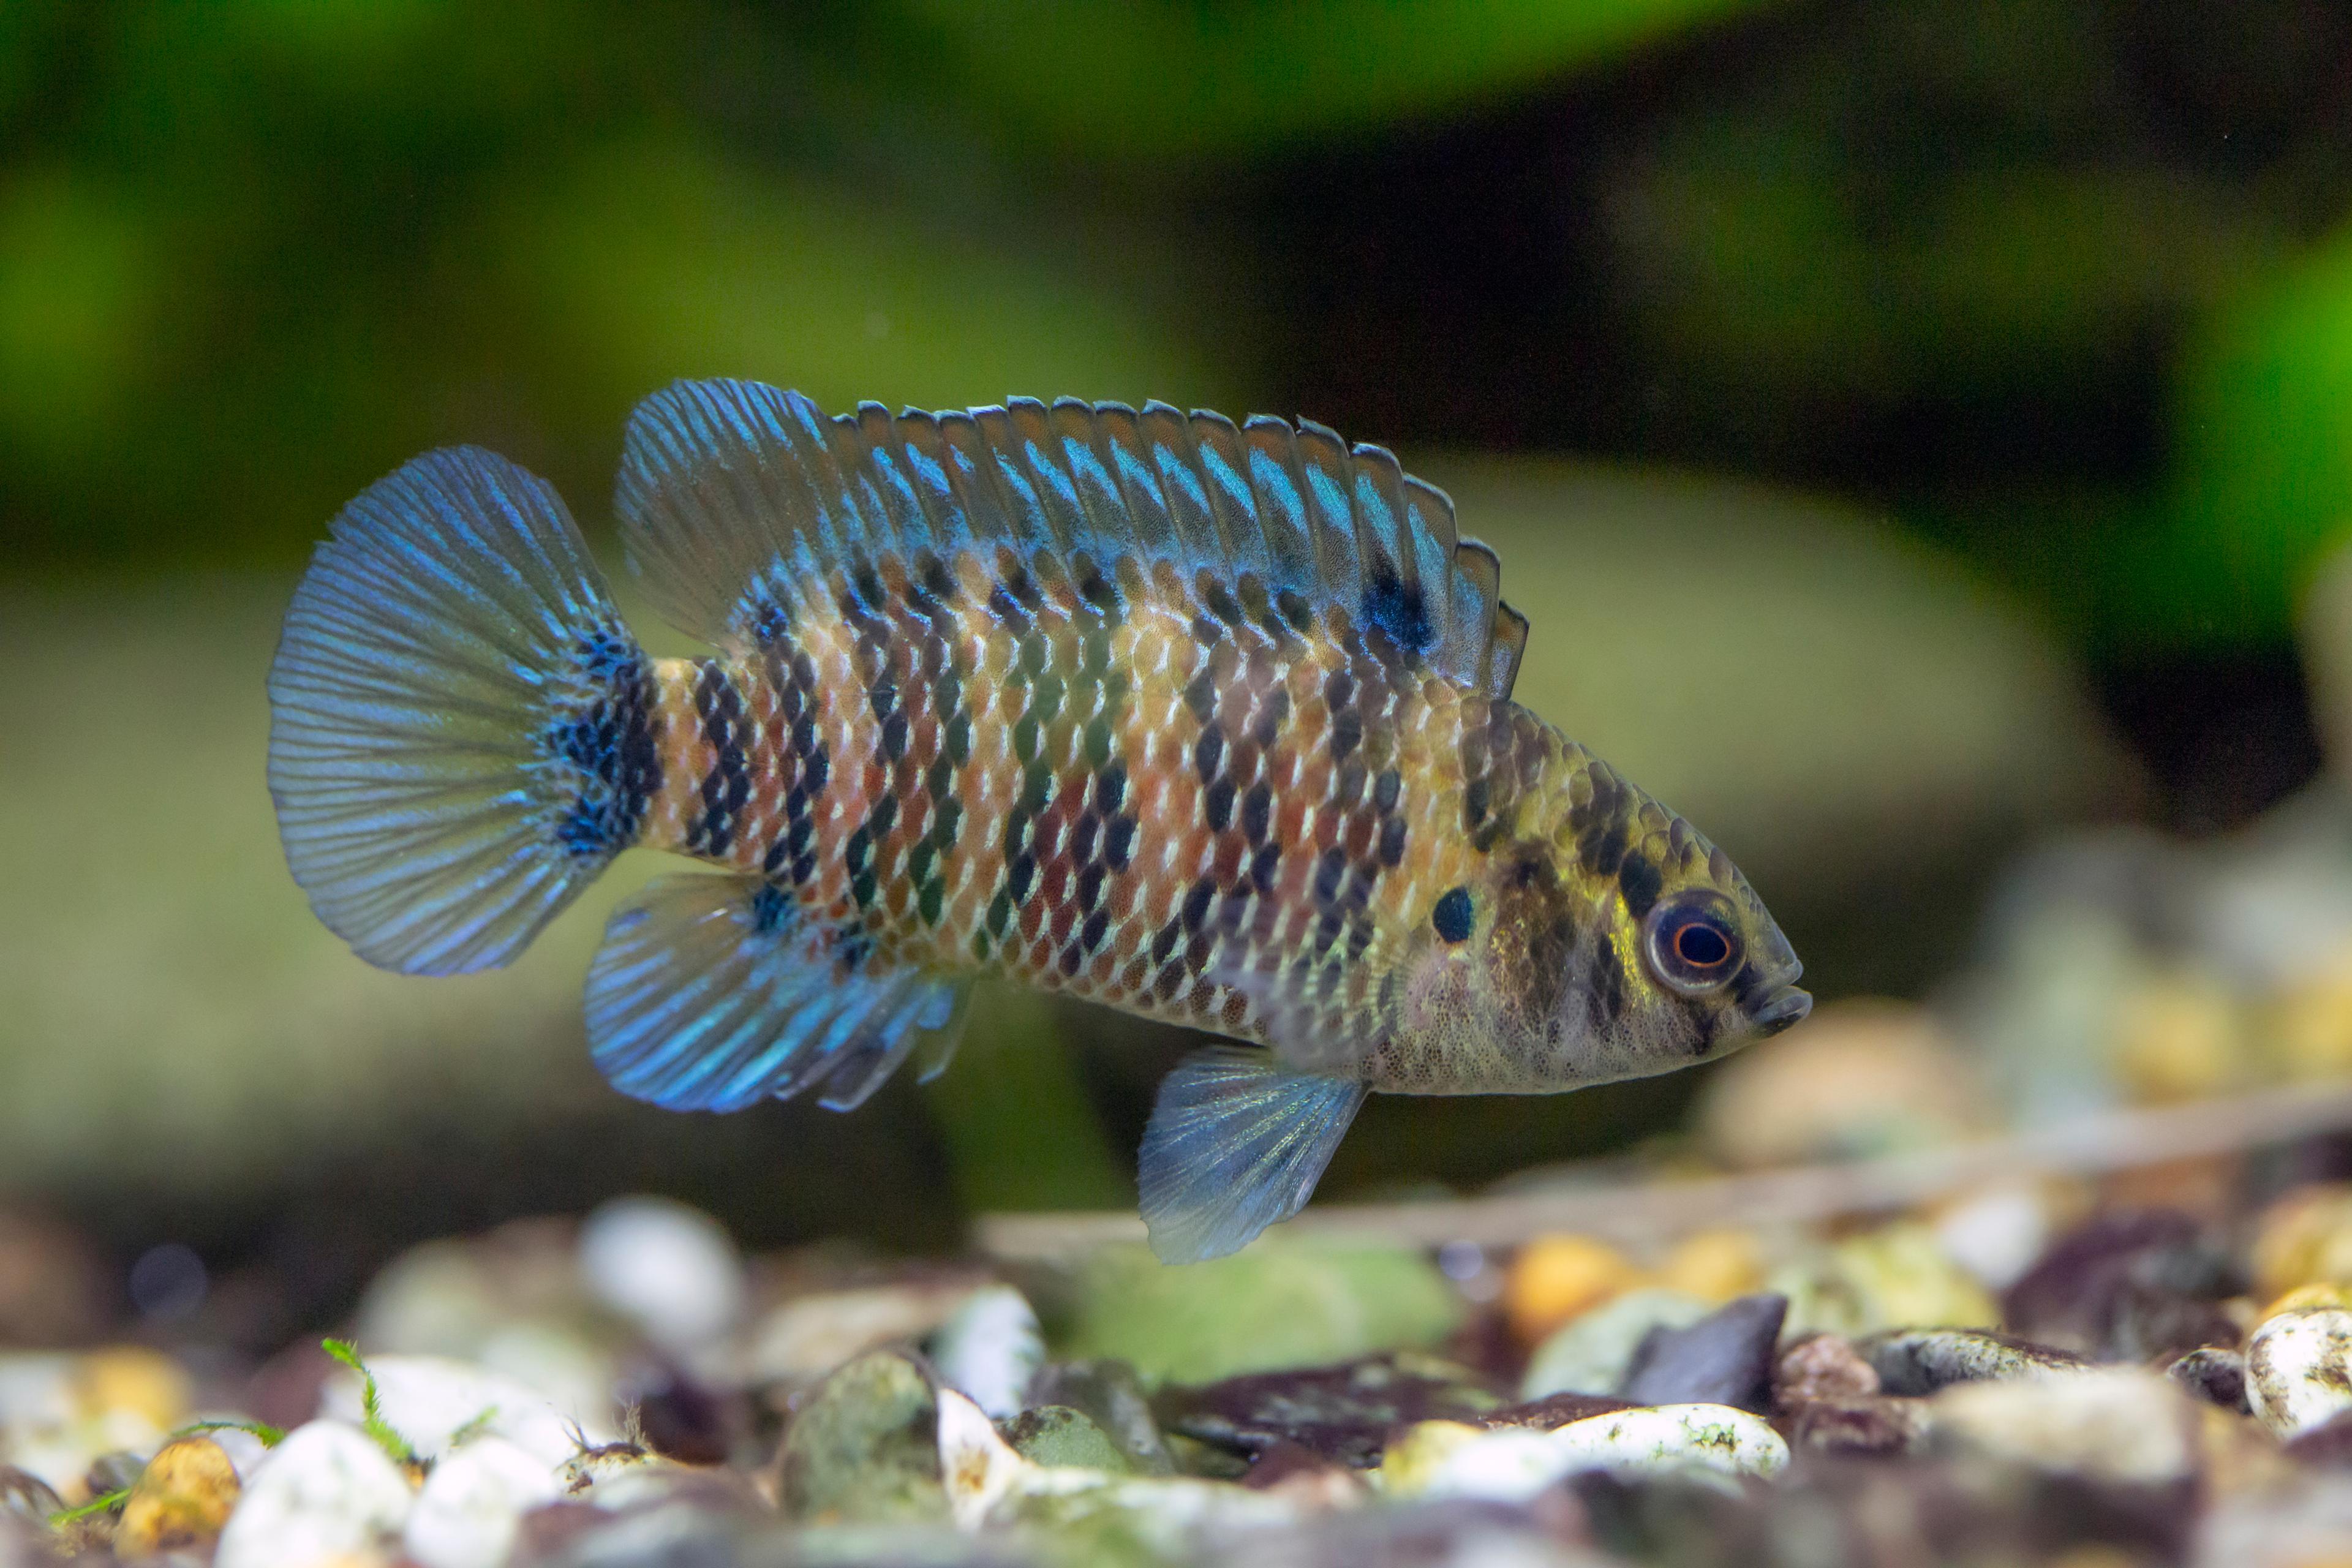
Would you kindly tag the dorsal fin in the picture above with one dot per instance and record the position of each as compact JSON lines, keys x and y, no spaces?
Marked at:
{"x":733,"y":495}
{"x":1503,"y":657}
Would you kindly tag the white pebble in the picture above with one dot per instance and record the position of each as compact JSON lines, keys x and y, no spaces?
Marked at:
{"x":326,"y":1492}
{"x":1513,"y":1464}
{"x":2116,"y":1424}
{"x":980,"y":1467}
{"x":429,"y":1401}
{"x":670,"y":1269}
{"x":1996,"y":1234}
{"x":471,"y":1506}
{"x":989,"y":1350}
{"x":2299,"y":1368}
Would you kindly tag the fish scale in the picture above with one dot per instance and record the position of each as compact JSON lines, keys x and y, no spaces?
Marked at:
{"x":1210,"y":724}
{"x":1280,"y":772}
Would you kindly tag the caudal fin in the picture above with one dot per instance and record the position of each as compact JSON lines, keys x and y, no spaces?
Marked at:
{"x":461,"y":728}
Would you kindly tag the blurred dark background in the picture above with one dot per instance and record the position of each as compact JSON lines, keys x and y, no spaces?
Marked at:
{"x":1910,"y":425}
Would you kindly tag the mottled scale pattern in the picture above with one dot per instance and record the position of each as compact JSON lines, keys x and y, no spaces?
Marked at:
{"x":1120,"y":787}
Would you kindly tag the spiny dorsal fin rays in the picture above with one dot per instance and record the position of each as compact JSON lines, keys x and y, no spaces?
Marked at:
{"x":732,"y":495}
{"x":1510,"y":644}
{"x":1478,"y":594}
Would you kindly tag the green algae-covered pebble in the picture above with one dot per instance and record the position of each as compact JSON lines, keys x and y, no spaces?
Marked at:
{"x":1059,"y":1436}
{"x":864,"y":1448}
{"x":1276,"y":1305}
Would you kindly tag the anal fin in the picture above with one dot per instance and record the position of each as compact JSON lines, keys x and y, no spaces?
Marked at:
{"x":1235,"y":1144}
{"x":714,"y":993}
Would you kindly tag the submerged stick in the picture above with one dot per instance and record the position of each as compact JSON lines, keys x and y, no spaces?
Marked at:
{"x":1652,"y":1210}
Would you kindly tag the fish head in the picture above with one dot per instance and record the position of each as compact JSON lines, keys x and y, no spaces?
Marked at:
{"x":1613,"y":942}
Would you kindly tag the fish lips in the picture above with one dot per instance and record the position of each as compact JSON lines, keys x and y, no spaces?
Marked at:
{"x":1787,"y":1006}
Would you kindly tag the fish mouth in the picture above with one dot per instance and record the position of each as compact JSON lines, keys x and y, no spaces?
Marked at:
{"x":1788,"y":1005}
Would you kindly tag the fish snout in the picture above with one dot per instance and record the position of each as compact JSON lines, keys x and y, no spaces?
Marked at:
{"x":1786,"y":1005}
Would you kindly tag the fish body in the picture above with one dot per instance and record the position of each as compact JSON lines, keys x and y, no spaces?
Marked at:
{"x":1208,"y":724}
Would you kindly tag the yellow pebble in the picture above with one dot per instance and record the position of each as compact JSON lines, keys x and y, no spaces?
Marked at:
{"x":2319,"y":1293}
{"x":1556,"y":1277}
{"x":139,"y":1381}
{"x":1416,"y":1452}
{"x":2310,"y":1023}
{"x":2305,"y":1237}
{"x":1713,"y":1266}
{"x":2180,"y":1038}
{"x":180,"y":1502}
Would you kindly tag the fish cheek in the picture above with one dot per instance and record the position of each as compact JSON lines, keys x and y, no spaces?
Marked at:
{"x":1533,"y":949}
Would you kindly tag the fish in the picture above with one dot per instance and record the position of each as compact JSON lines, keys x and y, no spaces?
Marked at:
{"x":1207,"y":722}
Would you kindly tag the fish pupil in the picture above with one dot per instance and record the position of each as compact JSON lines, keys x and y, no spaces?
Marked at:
{"x":1701,"y":946}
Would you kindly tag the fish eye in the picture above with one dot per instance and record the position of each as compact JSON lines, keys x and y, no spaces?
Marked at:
{"x":1694,"y":944}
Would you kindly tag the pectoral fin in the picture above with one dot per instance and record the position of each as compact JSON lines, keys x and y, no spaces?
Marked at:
{"x":1236,"y":1145}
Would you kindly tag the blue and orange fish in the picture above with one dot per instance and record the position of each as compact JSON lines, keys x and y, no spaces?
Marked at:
{"x":1207,"y":722}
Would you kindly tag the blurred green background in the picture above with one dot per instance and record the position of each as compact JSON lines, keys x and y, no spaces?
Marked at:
{"x":1909,"y":424}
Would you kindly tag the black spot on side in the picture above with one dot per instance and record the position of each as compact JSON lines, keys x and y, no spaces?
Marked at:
{"x":1118,"y":843}
{"x":1453,"y":917}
